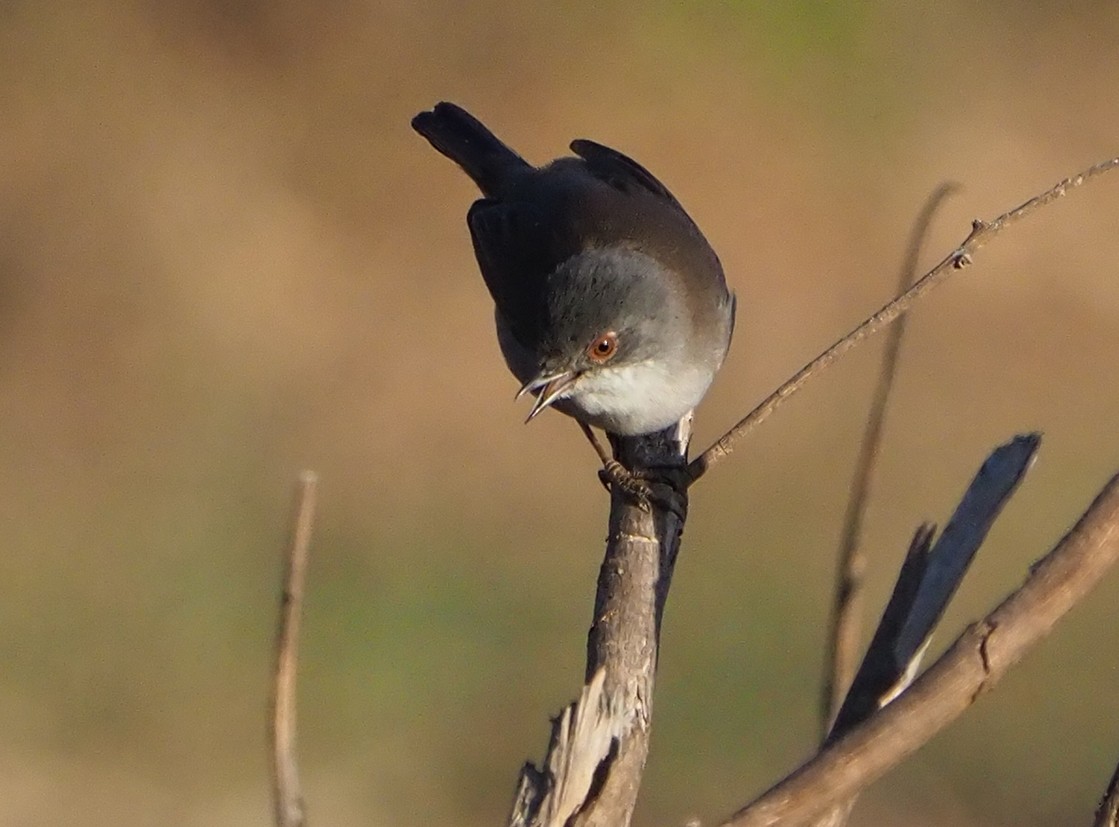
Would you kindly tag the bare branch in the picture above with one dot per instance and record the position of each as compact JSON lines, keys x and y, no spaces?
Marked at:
{"x":881,"y":670}
{"x":597,"y":752}
{"x":981,"y":233}
{"x":846,"y":618}
{"x":287,"y":794}
{"x":971,"y":667}
{"x":1107,"y":813}
{"x":878,"y":675}
{"x":583,"y":737}
{"x":926,"y":582}
{"x":928,"y":578}
{"x":998,"y":478}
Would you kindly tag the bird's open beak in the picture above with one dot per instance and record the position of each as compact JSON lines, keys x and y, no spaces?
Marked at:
{"x":548,"y":389}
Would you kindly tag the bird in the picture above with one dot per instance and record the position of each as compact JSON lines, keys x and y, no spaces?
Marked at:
{"x":609,"y":303}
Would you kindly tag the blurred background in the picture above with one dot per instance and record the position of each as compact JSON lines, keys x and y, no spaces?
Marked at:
{"x":225,"y":257}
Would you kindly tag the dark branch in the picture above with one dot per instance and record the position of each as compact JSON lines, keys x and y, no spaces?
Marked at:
{"x":846,"y":617}
{"x":928,"y":578}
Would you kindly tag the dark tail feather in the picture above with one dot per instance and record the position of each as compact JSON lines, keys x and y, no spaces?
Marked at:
{"x":465,"y":140}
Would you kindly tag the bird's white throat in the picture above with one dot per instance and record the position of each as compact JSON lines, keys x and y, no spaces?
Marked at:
{"x":639,"y":398}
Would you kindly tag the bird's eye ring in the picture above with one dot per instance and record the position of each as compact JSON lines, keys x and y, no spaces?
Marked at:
{"x":603,"y":348}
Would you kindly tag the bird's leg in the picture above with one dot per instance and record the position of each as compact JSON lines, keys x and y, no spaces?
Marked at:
{"x":611,"y":471}
{"x":661,"y":486}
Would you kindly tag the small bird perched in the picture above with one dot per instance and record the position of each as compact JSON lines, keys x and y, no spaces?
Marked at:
{"x":611,"y":306}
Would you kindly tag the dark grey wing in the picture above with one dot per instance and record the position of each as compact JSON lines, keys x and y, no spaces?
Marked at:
{"x":620,"y":171}
{"x":517,"y":247}
{"x":646,"y":213}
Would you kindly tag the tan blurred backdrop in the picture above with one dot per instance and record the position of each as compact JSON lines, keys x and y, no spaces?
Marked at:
{"x":225,"y":257}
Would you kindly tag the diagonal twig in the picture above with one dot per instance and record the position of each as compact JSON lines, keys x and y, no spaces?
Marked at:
{"x":972,"y":666}
{"x":287,"y":794}
{"x":981,"y":233}
{"x":846,"y":617}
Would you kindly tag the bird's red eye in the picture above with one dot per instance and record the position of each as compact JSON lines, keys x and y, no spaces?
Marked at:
{"x":603,"y":348}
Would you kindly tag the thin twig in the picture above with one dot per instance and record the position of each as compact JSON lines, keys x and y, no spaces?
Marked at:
{"x":846,"y":618}
{"x":971,"y":667}
{"x":981,"y":233}
{"x":287,"y":794}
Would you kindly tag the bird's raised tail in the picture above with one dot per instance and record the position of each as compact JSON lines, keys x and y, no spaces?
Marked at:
{"x":465,"y":140}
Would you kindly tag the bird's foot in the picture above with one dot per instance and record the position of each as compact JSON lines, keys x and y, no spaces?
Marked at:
{"x":664,"y":487}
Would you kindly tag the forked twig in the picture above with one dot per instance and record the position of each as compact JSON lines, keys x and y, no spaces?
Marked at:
{"x":287,"y":793}
{"x":846,"y":617}
{"x":971,"y":667}
{"x":928,"y":578}
{"x":981,"y":233}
